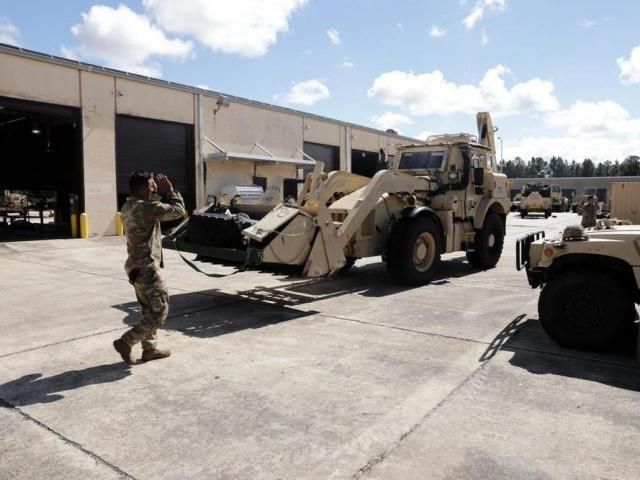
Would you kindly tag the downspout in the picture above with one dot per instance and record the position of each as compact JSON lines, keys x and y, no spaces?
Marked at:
{"x":200,"y":170}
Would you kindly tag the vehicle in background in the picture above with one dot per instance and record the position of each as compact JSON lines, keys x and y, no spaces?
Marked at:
{"x":536,"y":198}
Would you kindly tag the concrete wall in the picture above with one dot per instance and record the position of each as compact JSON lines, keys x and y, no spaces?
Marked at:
{"x":151,"y":101}
{"x":43,"y":82}
{"x":99,"y":149}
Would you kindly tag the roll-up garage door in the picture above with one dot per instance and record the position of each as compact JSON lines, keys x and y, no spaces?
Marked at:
{"x":155,"y":146}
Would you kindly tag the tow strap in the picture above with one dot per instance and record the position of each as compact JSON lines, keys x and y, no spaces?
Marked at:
{"x":195,"y":267}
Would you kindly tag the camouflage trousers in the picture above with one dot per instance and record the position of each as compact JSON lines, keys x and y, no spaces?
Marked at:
{"x":153,"y":298}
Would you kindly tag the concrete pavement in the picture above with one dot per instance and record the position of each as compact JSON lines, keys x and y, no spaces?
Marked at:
{"x":278,"y":377}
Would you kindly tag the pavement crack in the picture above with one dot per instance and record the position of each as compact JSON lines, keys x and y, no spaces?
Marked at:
{"x":376,"y":460}
{"x":121,"y":473}
{"x":409,"y":330}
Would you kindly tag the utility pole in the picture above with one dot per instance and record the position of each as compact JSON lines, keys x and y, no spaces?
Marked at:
{"x":501,"y":158}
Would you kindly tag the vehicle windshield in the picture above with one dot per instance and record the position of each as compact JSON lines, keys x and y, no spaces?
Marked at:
{"x":422,"y":160}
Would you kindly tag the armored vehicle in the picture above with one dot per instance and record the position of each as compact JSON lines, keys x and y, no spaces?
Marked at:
{"x":440,"y":196}
{"x":590,"y":281}
{"x":536,"y":198}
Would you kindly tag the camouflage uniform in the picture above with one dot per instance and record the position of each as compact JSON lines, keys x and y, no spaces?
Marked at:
{"x":589,"y":213}
{"x":141,"y":221}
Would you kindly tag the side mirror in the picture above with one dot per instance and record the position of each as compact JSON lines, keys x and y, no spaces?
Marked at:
{"x":478,"y":177}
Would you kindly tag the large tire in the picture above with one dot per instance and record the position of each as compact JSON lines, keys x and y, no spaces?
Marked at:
{"x":523,"y":213}
{"x":587,"y":310}
{"x":413,"y":250}
{"x":488,"y":243}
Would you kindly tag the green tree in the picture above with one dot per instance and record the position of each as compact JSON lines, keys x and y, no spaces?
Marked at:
{"x":630,"y":166}
{"x":587,"y":169}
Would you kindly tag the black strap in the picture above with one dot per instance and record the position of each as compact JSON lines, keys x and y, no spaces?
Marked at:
{"x":195,"y":267}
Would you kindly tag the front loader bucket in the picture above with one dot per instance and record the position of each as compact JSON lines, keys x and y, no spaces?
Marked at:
{"x":213,"y":236}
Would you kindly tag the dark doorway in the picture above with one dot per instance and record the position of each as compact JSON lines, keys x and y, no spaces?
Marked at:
{"x":155,"y":146}
{"x":365,"y":163}
{"x":41,"y":165}
{"x":328,"y":154}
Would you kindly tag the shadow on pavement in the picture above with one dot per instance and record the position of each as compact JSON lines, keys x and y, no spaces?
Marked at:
{"x":210,"y":313}
{"x":33,"y":388}
{"x":535,"y":352}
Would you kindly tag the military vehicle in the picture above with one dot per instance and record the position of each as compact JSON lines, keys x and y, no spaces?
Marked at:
{"x":558,"y":202}
{"x":515,"y":203}
{"x":590,"y":282}
{"x":441,"y":196}
{"x":536,"y":198}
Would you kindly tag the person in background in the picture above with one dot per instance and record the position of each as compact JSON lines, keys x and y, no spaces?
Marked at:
{"x":590,"y":212}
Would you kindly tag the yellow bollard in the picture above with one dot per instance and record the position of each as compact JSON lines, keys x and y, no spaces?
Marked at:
{"x":74,"y":225}
{"x":119,"y":226}
{"x":84,"y":225}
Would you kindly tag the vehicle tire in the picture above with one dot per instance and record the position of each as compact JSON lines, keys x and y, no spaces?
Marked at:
{"x":587,"y":310}
{"x":488,"y":243}
{"x":413,"y":250}
{"x":523,"y":213}
{"x":547,"y":213}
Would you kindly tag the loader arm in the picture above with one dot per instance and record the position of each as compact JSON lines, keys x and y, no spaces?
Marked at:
{"x":385,"y":181}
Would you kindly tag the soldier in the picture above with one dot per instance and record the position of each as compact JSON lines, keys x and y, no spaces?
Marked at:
{"x":590,"y":212}
{"x":141,"y":216}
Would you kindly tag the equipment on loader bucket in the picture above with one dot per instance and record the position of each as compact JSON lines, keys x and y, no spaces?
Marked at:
{"x":437,"y":197}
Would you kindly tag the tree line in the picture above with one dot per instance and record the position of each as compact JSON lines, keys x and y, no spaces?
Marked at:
{"x":559,"y":167}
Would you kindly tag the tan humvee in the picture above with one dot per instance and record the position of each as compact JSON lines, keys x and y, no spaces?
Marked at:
{"x":536,"y":198}
{"x":590,"y":281}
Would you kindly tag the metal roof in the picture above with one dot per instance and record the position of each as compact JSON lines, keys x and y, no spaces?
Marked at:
{"x":44,"y":57}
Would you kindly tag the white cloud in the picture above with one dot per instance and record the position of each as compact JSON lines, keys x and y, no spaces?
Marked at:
{"x":9,"y":33}
{"x":307,"y":93}
{"x":431,"y":93}
{"x":485,"y":38}
{"x":586,"y":23}
{"x":588,"y":118}
{"x":424,"y":135}
{"x":477,"y":12}
{"x":334,"y":36}
{"x":346,"y":63}
{"x":400,"y":26}
{"x":243,"y":27}
{"x":598,"y":130}
{"x":124,"y":40}
{"x":391,"y":120}
{"x":437,"y":32}
{"x":630,"y":69}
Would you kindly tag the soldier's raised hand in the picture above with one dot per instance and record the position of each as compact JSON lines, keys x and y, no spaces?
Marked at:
{"x":163,"y":183}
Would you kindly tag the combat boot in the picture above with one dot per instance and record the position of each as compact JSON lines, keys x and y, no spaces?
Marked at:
{"x":124,"y":350}
{"x":155,"y":354}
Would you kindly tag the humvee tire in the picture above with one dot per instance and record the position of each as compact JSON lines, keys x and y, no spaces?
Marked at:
{"x":413,"y":250}
{"x":585,"y":310}
{"x":523,"y":213}
{"x":488,"y":243}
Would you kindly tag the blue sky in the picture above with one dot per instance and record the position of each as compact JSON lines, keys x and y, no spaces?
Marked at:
{"x":559,"y":77}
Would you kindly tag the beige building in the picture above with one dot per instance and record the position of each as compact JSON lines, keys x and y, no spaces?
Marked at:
{"x":74,"y":129}
{"x":570,"y":186}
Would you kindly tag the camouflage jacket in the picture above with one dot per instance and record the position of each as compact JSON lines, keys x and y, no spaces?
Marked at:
{"x":141,"y":220}
{"x":589,"y":214}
